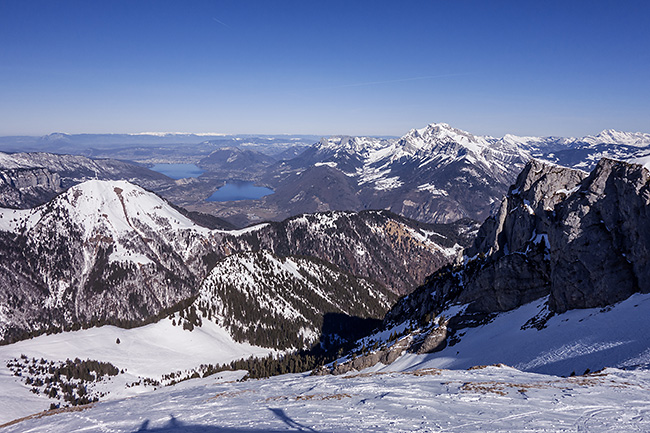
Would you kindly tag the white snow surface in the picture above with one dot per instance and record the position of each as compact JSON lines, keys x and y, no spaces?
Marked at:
{"x":416,"y":393}
{"x":636,"y":139}
{"x":644,"y":161}
{"x":149,"y":351}
{"x":492,"y":399}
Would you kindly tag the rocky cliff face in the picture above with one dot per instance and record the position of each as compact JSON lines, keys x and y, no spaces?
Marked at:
{"x":603,"y":251}
{"x":28,"y":187}
{"x":31,"y":179}
{"x":582,"y":240}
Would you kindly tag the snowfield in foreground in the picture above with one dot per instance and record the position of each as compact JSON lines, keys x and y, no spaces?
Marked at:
{"x":492,"y":399}
{"x":412,"y":394}
{"x":146,"y":352}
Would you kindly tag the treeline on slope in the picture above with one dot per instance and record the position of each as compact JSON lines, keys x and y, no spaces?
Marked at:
{"x":382,"y":235}
{"x":67,"y":380}
{"x":298,"y":361}
{"x":271,"y":365}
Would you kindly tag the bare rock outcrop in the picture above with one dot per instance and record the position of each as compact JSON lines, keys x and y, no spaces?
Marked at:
{"x":581,"y":239}
{"x":27,"y":187}
{"x":431,"y":338}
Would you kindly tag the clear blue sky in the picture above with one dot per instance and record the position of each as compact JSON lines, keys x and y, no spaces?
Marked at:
{"x":328,"y":67}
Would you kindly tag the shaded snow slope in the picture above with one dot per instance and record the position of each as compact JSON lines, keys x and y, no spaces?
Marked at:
{"x":574,"y":341}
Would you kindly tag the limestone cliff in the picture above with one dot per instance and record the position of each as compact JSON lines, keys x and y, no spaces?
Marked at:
{"x":581,"y":239}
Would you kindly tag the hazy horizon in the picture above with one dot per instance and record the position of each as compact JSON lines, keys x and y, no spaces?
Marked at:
{"x":262,"y":134}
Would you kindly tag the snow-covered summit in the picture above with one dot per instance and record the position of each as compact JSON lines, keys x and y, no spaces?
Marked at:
{"x":611,"y":136}
{"x":115,"y":213}
{"x":122,"y":207}
{"x":351,"y":145}
{"x":118,"y":206}
{"x":435,"y":135}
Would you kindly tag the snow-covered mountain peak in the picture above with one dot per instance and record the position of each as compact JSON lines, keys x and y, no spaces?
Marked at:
{"x":610,"y":136}
{"x":352,"y":145}
{"x":112,"y":212}
{"x":442,"y":138}
{"x":521,"y":140}
{"x":118,"y":204}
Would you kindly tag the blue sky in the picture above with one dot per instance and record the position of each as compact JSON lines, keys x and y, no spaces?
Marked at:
{"x":329,"y":67}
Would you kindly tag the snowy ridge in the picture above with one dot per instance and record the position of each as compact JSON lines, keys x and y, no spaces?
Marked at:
{"x":610,"y":136}
{"x":467,"y":173}
{"x":439,"y":143}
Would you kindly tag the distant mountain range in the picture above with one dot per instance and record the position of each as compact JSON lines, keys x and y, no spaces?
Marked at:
{"x":152,"y":147}
{"x":434,"y":174}
{"x":555,"y":280}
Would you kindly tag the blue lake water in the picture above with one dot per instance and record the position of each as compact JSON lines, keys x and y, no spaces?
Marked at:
{"x":232,"y":191}
{"x":178,"y":171}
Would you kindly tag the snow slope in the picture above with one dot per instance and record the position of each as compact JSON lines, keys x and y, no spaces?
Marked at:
{"x":574,"y":341}
{"x":492,"y":399}
{"x":149,"y":351}
{"x":412,"y":394}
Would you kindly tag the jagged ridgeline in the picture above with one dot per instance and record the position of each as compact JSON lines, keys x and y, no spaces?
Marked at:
{"x":582,"y":240}
{"x":109,"y":252}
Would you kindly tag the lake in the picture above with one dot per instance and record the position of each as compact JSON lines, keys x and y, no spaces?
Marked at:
{"x":178,"y":171}
{"x":232,"y":191}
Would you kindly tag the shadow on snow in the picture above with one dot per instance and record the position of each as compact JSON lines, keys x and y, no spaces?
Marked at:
{"x":176,"y":426}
